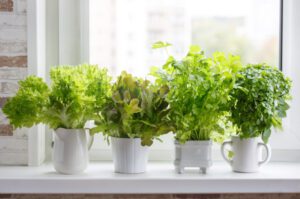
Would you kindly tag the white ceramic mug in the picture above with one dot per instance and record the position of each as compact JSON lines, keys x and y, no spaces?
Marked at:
{"x":70,"y":151}
{"x":246,"y":154}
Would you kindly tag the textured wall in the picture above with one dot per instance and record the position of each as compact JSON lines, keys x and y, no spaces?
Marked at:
{"x":177,"y":196}
{"x":13,"y":67}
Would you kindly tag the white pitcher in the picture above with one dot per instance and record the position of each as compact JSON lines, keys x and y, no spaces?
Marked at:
{"x":70,"y":152}
{"x":246,"y":154}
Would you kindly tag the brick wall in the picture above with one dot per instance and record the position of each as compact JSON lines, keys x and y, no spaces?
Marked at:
{"x":169,"y":196}
{"x":13,"y":67}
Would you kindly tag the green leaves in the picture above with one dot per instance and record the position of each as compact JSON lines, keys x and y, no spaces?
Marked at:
{"x":75,"y":94}
{"x":138,"y":109}
{"x":259,"y":100}
{"x":194,"y":50}
{"x":26,"y":108}
{"x":198,"y":95}
{"x":160,"y":44}
{"x":206,"y":92}
{"x":132,"y":107}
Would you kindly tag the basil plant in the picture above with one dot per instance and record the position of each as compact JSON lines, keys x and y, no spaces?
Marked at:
{"x":259,"y":100}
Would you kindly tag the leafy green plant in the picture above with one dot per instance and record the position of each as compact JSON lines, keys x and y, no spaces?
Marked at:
{"x":137,"y":109}
{"x":259,"y":100}
{"x":199,"y":93}
{"x":76,"y":92}
{"x":25,"y":108}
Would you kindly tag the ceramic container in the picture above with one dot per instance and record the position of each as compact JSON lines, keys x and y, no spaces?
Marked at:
{"x":193,"y":154}
{"x":70,"y":151}
{"x":247,"y":155}
{"x":129,"y":156}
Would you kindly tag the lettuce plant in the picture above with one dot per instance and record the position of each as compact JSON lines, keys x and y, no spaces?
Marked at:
{"x":75,"y":94}
{"x":199,"y":93}
{"x":259,"y":100}
{"x":137,"y":109}
{"x":25,"y":108}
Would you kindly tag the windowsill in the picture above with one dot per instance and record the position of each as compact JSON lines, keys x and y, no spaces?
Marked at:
{"x":160,"y":178}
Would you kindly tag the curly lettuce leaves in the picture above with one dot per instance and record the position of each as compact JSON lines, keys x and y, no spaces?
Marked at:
{"x":26,"y":108}
{"x":75,"y":94}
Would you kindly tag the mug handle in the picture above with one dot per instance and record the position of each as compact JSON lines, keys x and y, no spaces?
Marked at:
{"x":269,"y":153}
{"x":224,"y":144}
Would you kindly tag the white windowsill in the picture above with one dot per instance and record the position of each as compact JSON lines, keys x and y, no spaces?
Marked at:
{"x":160,"y":178}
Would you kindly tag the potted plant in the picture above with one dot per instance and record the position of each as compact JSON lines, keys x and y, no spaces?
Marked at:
{"x":134,"y":116}
{"x":198,"y":97}
{"x":259,"y":102}
{"x":71,"y":100}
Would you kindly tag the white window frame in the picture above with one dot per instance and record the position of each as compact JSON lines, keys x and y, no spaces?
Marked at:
{"x":36,"y":66}
{"x":290,"y":60}
{"x":73,"y":49}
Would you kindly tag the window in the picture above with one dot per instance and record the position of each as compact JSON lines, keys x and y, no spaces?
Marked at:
{"x":249,"y":28}
{"x":122,"y":32}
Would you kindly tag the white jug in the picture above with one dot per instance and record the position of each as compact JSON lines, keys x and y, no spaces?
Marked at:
{"x":70,"y":152}
{"x":246,"y":154}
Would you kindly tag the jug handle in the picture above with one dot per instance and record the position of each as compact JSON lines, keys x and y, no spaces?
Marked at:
{"x":90,"y":139}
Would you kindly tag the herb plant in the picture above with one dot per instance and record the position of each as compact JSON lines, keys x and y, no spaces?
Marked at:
{"x":199,"y":93}
{"x":259,"y":100}
{"x":76,"y":92}
{"x":137,"y":109}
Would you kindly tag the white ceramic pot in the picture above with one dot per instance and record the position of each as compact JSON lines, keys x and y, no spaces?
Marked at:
{"x":70,"y":151}
{"x":193,"y":154}
{"x":247,"y":156}
{"x":129,"y":156}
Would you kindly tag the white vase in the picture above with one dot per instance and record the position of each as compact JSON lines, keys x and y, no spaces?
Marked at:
{"x":247,"y":156}
{"x":129,"y":156}
{"x":193,"y":154}
{"x":70,"y":152}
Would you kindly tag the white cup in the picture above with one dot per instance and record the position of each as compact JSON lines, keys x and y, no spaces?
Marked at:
{"x":246,"y":154}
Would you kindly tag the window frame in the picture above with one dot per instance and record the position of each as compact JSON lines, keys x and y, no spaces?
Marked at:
{"x":36,"y":52}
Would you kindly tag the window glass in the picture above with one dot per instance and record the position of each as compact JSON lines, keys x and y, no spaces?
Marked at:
{"x":122,"y":32}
